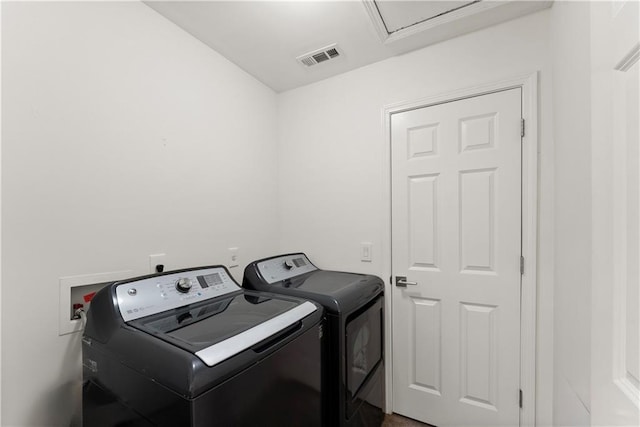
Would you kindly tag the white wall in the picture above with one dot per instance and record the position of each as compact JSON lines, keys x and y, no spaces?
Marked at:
{"x":122,"y":136}
{"x":331,"y":144}
{"x":0,"y":216}
{"x":570,"y":23}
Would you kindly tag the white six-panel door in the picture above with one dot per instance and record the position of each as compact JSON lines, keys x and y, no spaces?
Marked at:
{"x":456,"y":234}
{"x":615,"y":266}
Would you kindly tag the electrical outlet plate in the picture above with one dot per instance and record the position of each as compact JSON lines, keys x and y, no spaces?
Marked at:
{"x":66,"y":325}
{"x":155,"y":259}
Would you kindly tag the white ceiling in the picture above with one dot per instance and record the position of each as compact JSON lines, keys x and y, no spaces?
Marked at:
{"x":265,"y":37}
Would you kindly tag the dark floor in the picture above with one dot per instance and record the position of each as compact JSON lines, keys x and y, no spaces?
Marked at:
{"x":395,"y":420}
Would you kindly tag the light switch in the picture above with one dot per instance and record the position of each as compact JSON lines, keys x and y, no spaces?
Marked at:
{"x":233,"y":258}
{"x":366,"y":252}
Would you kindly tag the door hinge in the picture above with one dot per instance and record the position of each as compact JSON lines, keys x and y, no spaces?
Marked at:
{"x":521,"y":127}
{"x":520,"y":399}
{"x":521,"y":264}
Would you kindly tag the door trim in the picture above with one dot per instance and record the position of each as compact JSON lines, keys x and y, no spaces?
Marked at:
{"x":529,"y":85}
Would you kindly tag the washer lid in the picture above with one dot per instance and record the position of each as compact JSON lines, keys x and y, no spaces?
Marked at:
{"x":217,"y":329}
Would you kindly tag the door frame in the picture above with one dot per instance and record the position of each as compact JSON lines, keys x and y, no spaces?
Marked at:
{"x":528,"y":311}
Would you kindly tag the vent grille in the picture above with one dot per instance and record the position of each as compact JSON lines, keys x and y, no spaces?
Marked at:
{"x":333,"y":52}
{"x":320,"y":55}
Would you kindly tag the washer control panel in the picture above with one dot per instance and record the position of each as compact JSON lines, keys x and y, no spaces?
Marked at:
{"x":153,"y":295}
{"x":284,"y":267}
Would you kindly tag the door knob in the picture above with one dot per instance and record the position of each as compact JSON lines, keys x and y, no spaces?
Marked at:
{"x":401,"y":281}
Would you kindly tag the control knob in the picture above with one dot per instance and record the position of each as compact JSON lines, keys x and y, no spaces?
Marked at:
{"x":183,"y":285}
{"x":288,"y":264}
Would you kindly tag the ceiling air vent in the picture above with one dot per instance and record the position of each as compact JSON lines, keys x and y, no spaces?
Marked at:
{"x":320,"y":55}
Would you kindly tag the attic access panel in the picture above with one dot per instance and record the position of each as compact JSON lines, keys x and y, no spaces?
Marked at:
{"x":399,"y":15}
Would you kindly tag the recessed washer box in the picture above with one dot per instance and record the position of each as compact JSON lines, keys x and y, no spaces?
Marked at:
{"x":73,"y":289}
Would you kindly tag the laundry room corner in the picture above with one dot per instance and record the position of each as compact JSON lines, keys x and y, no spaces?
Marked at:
{"x":339,"y":174}
{"x":319,"y":213}
{"x":122,"y":137}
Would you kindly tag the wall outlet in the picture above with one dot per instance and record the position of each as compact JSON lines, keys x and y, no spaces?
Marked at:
{"x":366,"y":251}
{"x":234,"y":259}
{"x":157,"y":260}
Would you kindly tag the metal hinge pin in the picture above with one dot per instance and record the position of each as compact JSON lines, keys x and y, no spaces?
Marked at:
{"x":520,"y":399}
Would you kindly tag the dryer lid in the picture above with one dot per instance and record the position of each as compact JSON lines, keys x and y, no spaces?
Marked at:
{"x":294,"y":274}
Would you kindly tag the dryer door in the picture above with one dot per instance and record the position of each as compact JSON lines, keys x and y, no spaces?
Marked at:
{"x":364,"y":346}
